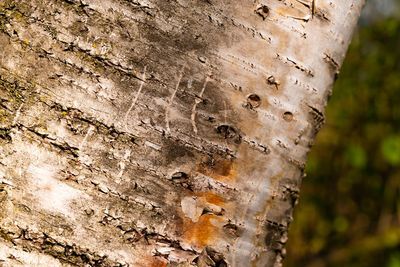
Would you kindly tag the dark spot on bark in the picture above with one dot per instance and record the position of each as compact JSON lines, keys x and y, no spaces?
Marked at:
{"x":209,"y":257}
{"x":217,"y":257}
{"x":232,"y":230}
{"x":273,"y":236}
{"x":288,"y":116}
{"x":227,"y":132}
{"x":5,"y":134}
{"x":176,"y":152}
{"x":215,"y":167}
{"x":253,"y":101}
{"x":179,"y":176}
{"x":182,"y":179}
{"x":316,"y":119}
{"x":262,"y":11}
{"x":202,"y":59}
{"x":211,"y":119}
{"x":207,"y":210}
{"x":273,"y":81}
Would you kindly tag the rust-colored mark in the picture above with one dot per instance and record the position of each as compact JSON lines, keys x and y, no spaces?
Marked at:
{"x":151,"y":261}
{"x":157,"y":262}
{"x":219,"y":169}
{"x":202,"y":232}
{"x":212,"y":198}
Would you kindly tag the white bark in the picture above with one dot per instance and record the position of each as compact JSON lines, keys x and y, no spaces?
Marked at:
{"x":160,"y":133}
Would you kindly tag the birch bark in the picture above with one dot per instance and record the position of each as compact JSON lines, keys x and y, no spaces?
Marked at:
{"x":160,"y":133}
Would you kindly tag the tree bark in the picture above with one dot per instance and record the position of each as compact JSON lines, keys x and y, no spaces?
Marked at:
{"x":160,"y":133}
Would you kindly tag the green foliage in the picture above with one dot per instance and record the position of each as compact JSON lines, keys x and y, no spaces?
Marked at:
{"x":349,"y":211}
{"x":394,"y":260}
{"x":391,"y":149}
{"x":355,"y":156}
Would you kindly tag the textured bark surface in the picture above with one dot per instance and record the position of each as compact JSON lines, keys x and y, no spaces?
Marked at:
{"x":159,"y":133}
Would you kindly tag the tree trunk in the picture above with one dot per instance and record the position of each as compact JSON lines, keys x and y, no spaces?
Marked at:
{"x":160,"y":133}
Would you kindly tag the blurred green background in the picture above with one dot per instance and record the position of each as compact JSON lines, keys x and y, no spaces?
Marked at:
{"x":349,"y":209}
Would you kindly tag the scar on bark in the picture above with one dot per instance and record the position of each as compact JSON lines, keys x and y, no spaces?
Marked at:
{"x":89,"y":132}
{"x":198,"y":101}
{"x":171,"y":100}
{"x":136,"y":97}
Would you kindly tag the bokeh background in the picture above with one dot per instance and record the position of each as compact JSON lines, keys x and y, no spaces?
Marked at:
{"x":349,"y":209}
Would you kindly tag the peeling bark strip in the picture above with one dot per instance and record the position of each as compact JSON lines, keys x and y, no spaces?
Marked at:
{"x":159,"y":133}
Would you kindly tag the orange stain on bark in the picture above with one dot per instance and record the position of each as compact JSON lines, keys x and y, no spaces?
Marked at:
{"x":157,"y":262}
{"x":212,"y":198}
{"x":202,"y":232}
